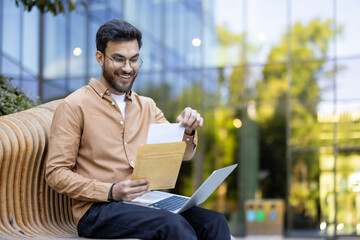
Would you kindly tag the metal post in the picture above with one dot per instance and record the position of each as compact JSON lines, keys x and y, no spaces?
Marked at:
{"x":21,"y":48}
{"x":288,"y":121}
{"x":243,"y":167}
{"x":199,"y":164}
{"x":1,"y":31}
{"x":41,"y":56}
{"x":335,"y":122}
{"x":87,"y":44}
{"x":67,"y":50}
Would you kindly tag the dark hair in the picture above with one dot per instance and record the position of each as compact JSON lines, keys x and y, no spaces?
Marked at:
{"x":116,"y":30}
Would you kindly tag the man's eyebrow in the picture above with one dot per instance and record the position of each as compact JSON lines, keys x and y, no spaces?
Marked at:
{"x":120,"y":55}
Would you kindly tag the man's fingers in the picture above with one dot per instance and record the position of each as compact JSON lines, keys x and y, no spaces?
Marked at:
{"x":131,"y":197}
{"x":197,"y":123}
{"x":135,"y":192}
{"x":179,"y":119}
{"x":123,"y":191}
{"x":193,"y":119}
{"x":201,"y":123}
{"x":184,"y":116}
{"x":188,"y":117}
{"x":136,"y":186}
{"x":138,"y":189}
{"x":138,"y":182}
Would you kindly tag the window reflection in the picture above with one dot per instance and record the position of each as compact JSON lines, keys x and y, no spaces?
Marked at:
{"x":348,"y":18}
{"x":56,"y":44}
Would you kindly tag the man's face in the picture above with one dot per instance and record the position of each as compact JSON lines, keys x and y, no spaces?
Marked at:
{"x":121,"y":78}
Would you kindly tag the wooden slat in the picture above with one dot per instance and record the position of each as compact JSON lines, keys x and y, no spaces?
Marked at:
{"x":15,"y":168}
{"x":7,"y":182}
{"x":38,"y":171}
{"x":28,"y":207}
{"x":5,"y":226}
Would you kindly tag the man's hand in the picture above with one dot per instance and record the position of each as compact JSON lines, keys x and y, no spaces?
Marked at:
{"x":191,"y":120}
{"x":129,"y":189}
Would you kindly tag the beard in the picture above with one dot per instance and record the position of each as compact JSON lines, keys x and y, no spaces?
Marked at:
{"x":110,"y":79}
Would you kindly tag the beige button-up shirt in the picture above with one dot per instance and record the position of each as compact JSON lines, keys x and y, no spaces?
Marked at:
{"x":92,"y":146}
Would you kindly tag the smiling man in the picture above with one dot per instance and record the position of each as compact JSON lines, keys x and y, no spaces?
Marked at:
{"x":94,"y":138}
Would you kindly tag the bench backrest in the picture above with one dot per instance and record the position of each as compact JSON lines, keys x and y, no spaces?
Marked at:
{"x":28,"y":206}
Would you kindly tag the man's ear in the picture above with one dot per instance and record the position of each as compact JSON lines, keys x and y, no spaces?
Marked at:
{"x":100,"y":58}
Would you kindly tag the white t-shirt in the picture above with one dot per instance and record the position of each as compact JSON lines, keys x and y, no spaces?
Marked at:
{"x":120,"y":100}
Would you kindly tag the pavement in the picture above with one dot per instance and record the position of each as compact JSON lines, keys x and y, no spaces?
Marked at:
{"x":263,"y":237}
{"x":255,"y":237}
{"x":258,"y":237}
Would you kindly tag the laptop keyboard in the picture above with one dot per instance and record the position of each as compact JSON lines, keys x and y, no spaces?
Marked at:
{"x":171,"y":203}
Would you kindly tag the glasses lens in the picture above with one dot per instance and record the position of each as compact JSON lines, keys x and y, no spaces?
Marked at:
{"x":121,"y":63}
{"x":136,"y":63}
{"x":118,"y":63}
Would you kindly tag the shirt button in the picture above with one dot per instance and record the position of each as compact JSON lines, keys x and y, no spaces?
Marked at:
{"x":132,"y":163}
{"x":101,"y":95}
{"x":188,"y":139}
{"x":113,"y":103}
{"x":121,"y":122}
{"x":125,"y":143}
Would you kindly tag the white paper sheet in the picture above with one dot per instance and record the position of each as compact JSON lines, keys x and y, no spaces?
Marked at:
{"x":165,"y":133}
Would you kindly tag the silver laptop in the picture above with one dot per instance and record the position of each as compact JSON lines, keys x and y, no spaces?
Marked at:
{"x":177,"y":203}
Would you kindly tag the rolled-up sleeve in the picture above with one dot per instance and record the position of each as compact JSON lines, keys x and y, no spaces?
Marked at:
{"x":60,"y":173}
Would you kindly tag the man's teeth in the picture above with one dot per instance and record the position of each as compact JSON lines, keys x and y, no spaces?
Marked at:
{"x":125,"y":76}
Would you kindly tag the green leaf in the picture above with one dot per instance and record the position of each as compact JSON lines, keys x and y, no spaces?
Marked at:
{"x":71,"y":6}
{"x":53,"y":6}
{"x":12,"y":99}
{"x":84,"y":4}
{"x":61,"y":7}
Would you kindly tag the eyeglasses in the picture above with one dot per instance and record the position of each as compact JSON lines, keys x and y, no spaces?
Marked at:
{"x":120,"y":62}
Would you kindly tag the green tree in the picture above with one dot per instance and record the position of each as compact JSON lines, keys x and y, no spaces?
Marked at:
{"x":218,"y":141}
{"x":53,"y":6}
{"x":12,"y":99}
{"x":309,"y":47}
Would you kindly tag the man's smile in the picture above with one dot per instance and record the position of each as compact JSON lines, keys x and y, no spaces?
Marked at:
{"x":124,"y":77}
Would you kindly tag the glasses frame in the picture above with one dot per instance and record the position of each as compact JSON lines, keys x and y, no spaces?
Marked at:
{"x":113,"y":62}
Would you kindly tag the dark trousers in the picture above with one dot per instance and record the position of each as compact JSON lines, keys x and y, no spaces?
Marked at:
{"x":122,"y":220}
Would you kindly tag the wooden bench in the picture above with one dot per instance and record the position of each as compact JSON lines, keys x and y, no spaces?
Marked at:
{"x":29,"y":208}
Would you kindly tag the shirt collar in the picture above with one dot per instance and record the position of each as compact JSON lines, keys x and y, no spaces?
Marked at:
{"x":102,"y":90}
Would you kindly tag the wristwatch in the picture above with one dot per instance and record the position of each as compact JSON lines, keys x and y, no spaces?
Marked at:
{"x":111,"y":198}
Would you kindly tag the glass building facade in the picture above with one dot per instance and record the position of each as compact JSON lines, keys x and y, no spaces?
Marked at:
{"x":276,"y":81}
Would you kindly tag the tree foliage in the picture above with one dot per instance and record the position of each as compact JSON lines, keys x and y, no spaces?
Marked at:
{"x":309,"y":48}
{"x":12,"y":99}
{"x":53,"y":6}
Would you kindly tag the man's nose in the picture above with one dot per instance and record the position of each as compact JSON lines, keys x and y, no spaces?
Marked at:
{"x":127,"y":67}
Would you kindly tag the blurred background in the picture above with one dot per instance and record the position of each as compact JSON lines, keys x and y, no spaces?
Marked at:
{"x":277,"y":82}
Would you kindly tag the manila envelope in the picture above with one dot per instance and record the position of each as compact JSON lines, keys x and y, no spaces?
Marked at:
{"x":160,"y":163}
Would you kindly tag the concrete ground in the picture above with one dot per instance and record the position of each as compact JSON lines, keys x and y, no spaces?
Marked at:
{"x":291,"y":238}
{"x":255,"y":237}
{"x":260,"y":237}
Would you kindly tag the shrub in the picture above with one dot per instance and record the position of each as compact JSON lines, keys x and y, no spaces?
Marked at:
{"x":12,"y":99}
